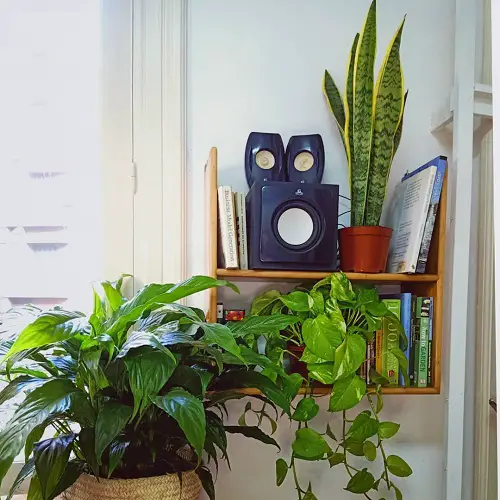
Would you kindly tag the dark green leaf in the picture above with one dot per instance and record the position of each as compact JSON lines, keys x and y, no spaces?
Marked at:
{"x":376,"y":378}
{"x":140,"y":339}
{"x":262,"y":325}
{"x":281,"y":471}
{"x":322,"y":372}
{"x":347,"y":393}
{"x":291,"y":385}
{"x":206,"y":481}
{"x":388,"y":429}
{"x":27,"y":471}
{"x":22,"y":383}
{"x":297,"y":301}
{"x":189,"y":413}
{"x":322,"y":336}
{"x":399,"y":495}
{"x":71,"y":473}
{"x":148,"y":373}
{"x":34,"y":436}
{"x":261,"y":306}
{"x":403,"y":363}
{"x":349,"y":356}
{"x":377,"y":309}
{"x":51,"y":457}
{"x":86,"y":440}
{"x":221,"y":336}
{"x":116,"y":451}
{"x":380,"y":403}
{"x":361,"y":482}
{"x":330,"y":433}
{"x":309,"y":494}
{"x":216,"y":434}
{"x":398,"y":466}
{"x":252,"y":432}
{"x":336,"y":459}
{"x":111,"y":420}
{"x":306,"y":410}
{"x":363,"y":428}
{"x":35,"y":489}
{"x":309,"y":444}
{"x":353,"y":447}
{"x":369,"y":451}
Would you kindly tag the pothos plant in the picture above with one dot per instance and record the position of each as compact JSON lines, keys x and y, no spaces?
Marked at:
{"x":138,"y":388}
{"x":334,"y":323}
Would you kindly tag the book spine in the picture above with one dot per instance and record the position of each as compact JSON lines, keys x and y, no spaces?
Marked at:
{"x":373,"y":355}
{"x":241,"y":222}
{"x":423,"y":311}
{"x":429,"y":366}
{"x":406,"y":322}
{"x":431,"y":216}
{"x":415,"y":341}
{"x":379,"y":349}
{"x":228,"y":228}
{"x":391,"y":341}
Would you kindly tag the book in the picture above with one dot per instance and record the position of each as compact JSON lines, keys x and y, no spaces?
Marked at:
{"x":406,"y":314}
{"x":379,"y":347}
{"x":423,"y":315}
{"x":407,"y":217}
{"x":241,"y":224}
{"x":440,"y":162}
{"x":390,"y":364}
{"x":429,"y":366}
{"x":227,"y":228}
{"x":415,"y":331}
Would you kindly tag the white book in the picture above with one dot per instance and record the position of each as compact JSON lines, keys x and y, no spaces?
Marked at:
{"x":227,"y":227}
{"x":407,"y":217}
{"x":241,"y":224}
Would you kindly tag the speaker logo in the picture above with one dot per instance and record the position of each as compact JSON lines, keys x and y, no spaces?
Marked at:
{"x":299,"y":192}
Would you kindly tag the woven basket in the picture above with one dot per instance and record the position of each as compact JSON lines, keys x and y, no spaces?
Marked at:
{"x":166,"y":487}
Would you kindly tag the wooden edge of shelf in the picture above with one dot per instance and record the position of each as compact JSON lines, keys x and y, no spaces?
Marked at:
{"x":314,"y":275}
{"x":323,"y":391}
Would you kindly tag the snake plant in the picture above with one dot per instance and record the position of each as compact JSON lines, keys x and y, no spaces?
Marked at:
{"x":369,"y":118}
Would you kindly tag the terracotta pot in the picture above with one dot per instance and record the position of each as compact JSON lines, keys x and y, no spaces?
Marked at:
{"x":166,"y":487}
{"x":297,"y":366}
{"x":364,"y":249}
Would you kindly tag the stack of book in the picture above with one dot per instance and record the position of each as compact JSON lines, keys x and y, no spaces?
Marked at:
{"x":233,"y":246}
{"x":412,"y":215}
{"x":416,"y":316}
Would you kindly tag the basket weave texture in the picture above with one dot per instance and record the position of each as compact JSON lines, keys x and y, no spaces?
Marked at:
{"x":166,"y":487}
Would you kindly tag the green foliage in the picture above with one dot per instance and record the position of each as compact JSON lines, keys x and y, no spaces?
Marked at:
{"x":132,"y":389}
{"x":369,"y":118}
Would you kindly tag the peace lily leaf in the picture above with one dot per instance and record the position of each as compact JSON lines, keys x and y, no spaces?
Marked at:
{"x":341,"y":288}
{"x":369,"y":451}
{"x":322,"y":372}
{"x":388,"y":429}
{"x":189,"y":413}
{"x":336,"y":459}
{"x":86,"y":440}
{"x":262,"y":325}
{"x":22,"y":383}
{"x":148,"y":373}
{"x":51,"y":457}
{"x":71,"y":473}
{"x":309,"y":357}
{"x":306,"y":410}
{"x":309,"y":444}
{"x":347,"y":393}
{"x":361,"y":482}
{"x":49,"y":328}
{"x":252,"y":432}
{"x":35,"y":489}
{"x":207,"y":481}
{"x":363,"y":428}
{"x":110,"y":422}
{"x":114,"y":299}
{"x":27,"y":471}
{"x":322,"y":336}
{"x":116,"y":451}
{"x":349,"y":356}
{"x":281,"y":471}
{"x":140,"y":339}
{"x":221,"y":336}
{"x":262,"y":304}
{"x":398,"y":466}
{"x":297,"y":301}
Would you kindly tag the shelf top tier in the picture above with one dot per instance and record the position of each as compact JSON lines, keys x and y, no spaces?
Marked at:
{"x":315,"y":275}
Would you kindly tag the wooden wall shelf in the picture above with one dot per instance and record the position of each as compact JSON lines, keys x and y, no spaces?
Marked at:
{"x":319,"y":391}
{"x":430,"y":284}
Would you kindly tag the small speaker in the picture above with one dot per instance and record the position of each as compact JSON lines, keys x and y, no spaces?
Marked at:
{"x":264,"y":158}
{"x":292,"y":226}
{"x":305,"y":159}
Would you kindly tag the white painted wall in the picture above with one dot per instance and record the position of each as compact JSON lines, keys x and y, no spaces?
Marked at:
{"x":257,"y":66}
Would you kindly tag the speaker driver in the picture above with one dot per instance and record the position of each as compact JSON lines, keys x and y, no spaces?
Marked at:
{"x":264,"y":158}
{"x":305,"y":159}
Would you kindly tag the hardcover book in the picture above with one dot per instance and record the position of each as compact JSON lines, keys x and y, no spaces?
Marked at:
{"x":227,"y":228}
{"x":406,"y":322}
{"x":390,"y":364}
{"x":241,"y":223}
{"x":423,"y":315}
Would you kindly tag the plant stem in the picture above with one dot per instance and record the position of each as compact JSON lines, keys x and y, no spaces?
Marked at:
{"x":296,"y":479}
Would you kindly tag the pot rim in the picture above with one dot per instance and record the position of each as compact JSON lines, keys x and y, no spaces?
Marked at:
{"x":381,"y":231}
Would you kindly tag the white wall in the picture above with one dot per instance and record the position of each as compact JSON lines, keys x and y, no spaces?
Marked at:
{"x":257,"y":66}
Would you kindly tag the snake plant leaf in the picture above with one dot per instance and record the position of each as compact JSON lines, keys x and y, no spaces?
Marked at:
{"x":399,"y":131}
{"x":388,"y":103}
{"x":335,"y":103}
{"x":348,"y":99}
{"x":362,"y":115}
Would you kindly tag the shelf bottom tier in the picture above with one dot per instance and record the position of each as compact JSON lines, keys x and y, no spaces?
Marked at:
{"x":324,"y":390}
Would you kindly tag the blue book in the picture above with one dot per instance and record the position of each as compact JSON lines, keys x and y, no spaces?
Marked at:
{"x":406,"y":322}
{"x":440,"y":162}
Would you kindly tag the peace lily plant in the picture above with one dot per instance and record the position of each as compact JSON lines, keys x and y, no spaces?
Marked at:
{"x":334,"y":323}
{"x":369,"y":117}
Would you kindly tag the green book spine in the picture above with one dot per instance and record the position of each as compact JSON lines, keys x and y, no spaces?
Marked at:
{"x":391,"y":341}
{"x":423,"y":312}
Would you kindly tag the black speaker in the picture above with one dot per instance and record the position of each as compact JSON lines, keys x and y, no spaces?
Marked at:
{"x":305,"y":159}
{"x":264,"y":158}
{"x":292,"y":226}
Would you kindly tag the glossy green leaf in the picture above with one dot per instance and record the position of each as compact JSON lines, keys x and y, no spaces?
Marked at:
{"x":309,"y":495}
{"x":19,"y":384}
{"x":86,"y":440}
{"x":341,"y":288}
{"x":113,"y":297}
{"x":309,"y":444}
{"x":369,"y":451}
{"x":309,"y":357}
{"x":363,"y":428}
{"x":281,"y":471}
{"x":306,"y":410}
{"x":51,"y":457}
{"x":262,"y":305}
{"x":34,"y":436}
{"x":399,"y":495}
{"x":297,"y":301}
{"x":35,"y":489}
{"x":378,"y":379}
{"x":291,"y":385}
{"x":318,"y":302}
{"x":353,"y":447}
{"x":138,"y":339}
{"x":336,"y":459}
{"x":148,"y":373}
{"x":221,"y":336}
{"x":27,"y":471}
{"x":251,"y":432}
{"x":262,"y":325}
{"x":111,"y":420}
{"x":189,"y":413}
{"x":322,"y":372}
{"x":361,"y":482}
{"x":71,"y":473}
{"x":349,"y":356}
{"x":398,"y":466}
{"x":330,"y":433}
{"x":347,"y":393}
{"x":388,"y":429}
{"x":116,"y":451}
{"x":207,"y":481}
{"x":322,"y":336}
